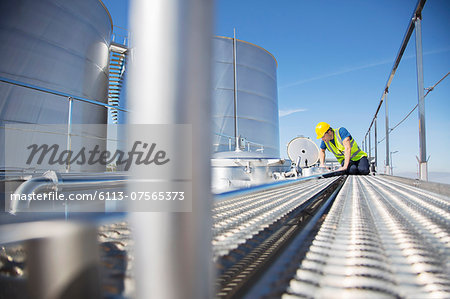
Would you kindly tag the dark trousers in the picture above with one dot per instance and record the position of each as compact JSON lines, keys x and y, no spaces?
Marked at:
{"x":358,"y":167}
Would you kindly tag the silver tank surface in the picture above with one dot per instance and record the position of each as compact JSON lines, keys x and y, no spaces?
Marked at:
{"x":257,"y":101}
{"x":60,"y":45}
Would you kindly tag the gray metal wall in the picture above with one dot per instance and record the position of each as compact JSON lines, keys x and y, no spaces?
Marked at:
{"x":257,"y":95}
{"x":55,"y":44}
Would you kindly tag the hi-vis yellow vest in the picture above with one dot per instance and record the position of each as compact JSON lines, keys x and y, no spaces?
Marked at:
{"x":338,"y":150}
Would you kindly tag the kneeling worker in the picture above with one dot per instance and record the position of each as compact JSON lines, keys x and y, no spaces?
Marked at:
{"x":341,"y":144}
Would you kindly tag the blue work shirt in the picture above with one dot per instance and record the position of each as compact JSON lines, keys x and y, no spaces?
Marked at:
{"x":344,"y":134}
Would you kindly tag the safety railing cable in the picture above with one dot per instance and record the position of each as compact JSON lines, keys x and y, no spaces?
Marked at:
{"x":429,"y":89}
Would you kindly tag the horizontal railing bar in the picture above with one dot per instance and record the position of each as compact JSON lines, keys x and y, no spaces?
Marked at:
{"x":58,"y":93}
{"x":277,"y":184}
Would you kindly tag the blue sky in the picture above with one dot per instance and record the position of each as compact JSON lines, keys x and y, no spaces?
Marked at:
{"x":334,"y":58}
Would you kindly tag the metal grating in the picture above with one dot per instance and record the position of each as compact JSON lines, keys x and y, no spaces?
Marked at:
{"x":240,"y":218}
{"x":380,"y":239}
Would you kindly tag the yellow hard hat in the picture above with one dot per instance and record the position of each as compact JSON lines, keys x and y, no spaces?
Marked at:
{"x":321,"y":129}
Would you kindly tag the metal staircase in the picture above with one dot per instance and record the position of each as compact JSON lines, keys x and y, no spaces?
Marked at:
{"x":117,"y":64}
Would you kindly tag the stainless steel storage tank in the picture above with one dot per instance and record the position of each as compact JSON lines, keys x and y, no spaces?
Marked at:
{"x":60,"y":45}
{"x":257,"y":101}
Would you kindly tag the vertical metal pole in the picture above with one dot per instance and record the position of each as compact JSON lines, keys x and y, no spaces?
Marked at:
{"x":387,"y":169}
{"x":392,"y":168}
{"x":376,"y":144}
{"x":392,"y":162}
{"x":370,"y":147}
{"x":69,"y":133}
{"x":173,"y":250}
{"x":423,"y":165}
{"x":236,"y":130}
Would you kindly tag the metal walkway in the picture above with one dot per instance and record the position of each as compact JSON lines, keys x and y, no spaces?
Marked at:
{"x":380,"y":239}
{"x":240,"y":218}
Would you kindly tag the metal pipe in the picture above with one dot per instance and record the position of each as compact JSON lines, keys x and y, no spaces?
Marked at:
{"x":387,"y":169}
{"x":27,"y":187}
{"x":236,"y":130}
{"x":423,"y":163}
{"x":53,"y":181}
{"x":370,"y":147}
{"x":173,"y":250}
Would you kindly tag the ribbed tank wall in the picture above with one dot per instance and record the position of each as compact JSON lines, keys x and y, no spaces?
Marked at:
{"x":56,"y":44}
{"x":257,"y":109}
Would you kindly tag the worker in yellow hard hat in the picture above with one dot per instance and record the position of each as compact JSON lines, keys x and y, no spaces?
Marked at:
{"x":339,"y":141}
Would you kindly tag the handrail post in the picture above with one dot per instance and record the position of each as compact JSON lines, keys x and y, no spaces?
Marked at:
{"x":388,"y":167}
{"x":423,"y":164}
{"x":376,"y":144}
{"x":365,"y":143}
{"x":236,"y":128}
{"x":69,"y":133}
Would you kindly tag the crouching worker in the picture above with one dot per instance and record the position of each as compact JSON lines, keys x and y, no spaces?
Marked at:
{"x":341,"y":144}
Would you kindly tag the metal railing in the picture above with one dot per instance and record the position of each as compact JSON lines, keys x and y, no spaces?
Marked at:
{"x":244,"y":143}
{"x":414,"y":24}
{"x":69,"y":97}
{"x":120,"y":36}
{"x":59,"y":93}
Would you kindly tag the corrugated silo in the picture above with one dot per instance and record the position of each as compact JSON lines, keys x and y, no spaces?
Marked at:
{"x":60,"y":45}
{"x":257,"y":101}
